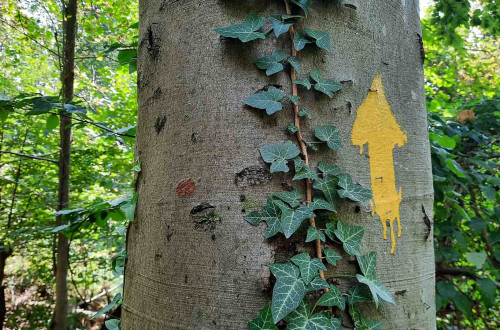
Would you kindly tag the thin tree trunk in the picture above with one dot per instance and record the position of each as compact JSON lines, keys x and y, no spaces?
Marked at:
{"x":194,"y":262}
{"x":67,"y":78}
{"x":5,"y":252}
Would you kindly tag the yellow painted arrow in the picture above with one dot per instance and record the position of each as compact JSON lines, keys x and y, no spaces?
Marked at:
{"x":376,"y":125}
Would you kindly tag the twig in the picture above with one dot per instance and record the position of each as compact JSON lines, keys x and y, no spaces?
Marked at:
{"x":461,"y":272}
{"x":29,"y":156}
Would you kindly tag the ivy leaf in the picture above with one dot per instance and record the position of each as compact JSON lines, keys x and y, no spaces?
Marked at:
{"x":332,"y":298}
{"x":319,"y":321}
{"x":317,"y":283}
{"x":367,"y":264}
{"x":292,"y":129}
{"x":328,"y":169}
{"x":336,"y":323}
{"x":331,"y":256}
{"x":308,"y":267}
{"x":278,"y":155}
{"x":357,"y":294}
{"x":295,"y":63}
{"x":350,"y":236}
{"x":292,"y":198}
{"x":304,"y":172}
{"x":292,"y":219}
{"x":313,"y":233}
{"x":319,"y":203}
{"x":245,"y":31}
{"x":264,"y":321}
{"x":273,"y":227}
{"x":288,"y":291}
{"x":322,"y":38}
{"x":271,"y":62}
{"x":279,"y":27}
{"x":304,"y":4}
{"x":354,"y":192}
{"x":304,"y":112}
{"x":295,"y":99}
{"x":304,"y":82}
{"x":327,"y":186}
{"x":301,"y":319}
{"x":270,"y":212}
{"x":330,"y":135}
{"x":300,"y":40}
{"x":330,"y":230}
{"x":370,"y":324}
{"x":268,"y":100}
{"x":323,"y":85}
{"x":108,"y":307}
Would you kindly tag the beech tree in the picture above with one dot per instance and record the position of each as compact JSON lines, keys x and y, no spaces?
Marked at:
{"x":349,"y":185}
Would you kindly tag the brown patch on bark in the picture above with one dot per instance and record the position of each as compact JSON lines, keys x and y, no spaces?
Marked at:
{"x":185,"y":188}
{"x":252,"y":175}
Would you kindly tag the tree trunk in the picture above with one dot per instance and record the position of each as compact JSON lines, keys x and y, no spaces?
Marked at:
{"x":194,"y":262}
{"x":5,"y":252}
{"x":67,"y":79}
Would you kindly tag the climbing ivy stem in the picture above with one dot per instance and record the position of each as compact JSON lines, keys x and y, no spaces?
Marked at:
{"x":302,"y":144}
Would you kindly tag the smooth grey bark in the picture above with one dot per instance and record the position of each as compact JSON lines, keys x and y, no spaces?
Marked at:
{"x":185,"y":273}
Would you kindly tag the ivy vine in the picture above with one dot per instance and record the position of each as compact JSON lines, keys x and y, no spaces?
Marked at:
{"x":285,"y":211}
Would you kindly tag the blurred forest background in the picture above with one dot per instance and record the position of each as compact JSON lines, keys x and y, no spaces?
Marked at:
{"x":462,"y":69}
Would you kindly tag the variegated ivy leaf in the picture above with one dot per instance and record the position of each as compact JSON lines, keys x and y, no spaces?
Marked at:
{"x":350,"y":236}
{"x":317,"y":283}
{"x":328,"y":186}
{"x":267,"y":100}
{"x":295,"y":63}
{"x":367,"y":264}
{"x":304,"y":82}
{"x":353,"y":191}
{"x":332,"y":298}
{"x":264,"y":321}
{"x":278,"y":155}
{"x":305,"y":112}
{"x":308,"y":267}
{"x":292,"y":198}
{"x":279,"y":27}
{"x":323,"y":85}
{"x":273,"y":227}
{"x":331,"y":256}
{"x":322,"y":38}
{"x":288,"y":291}
{"x":330,"y":135}
{"x":246,"y":31}
{"x":319,"y":203}
{"x":313,"y":233}
{"x":328,"y":169}
{"x":304,"y":4}
{"x":295,"y":99}
{"x":292,"y":129}
{"x":300,"y":40}
{"x":358,"y":294}
{"x":292,"y":219}
{"x":271,"y":63}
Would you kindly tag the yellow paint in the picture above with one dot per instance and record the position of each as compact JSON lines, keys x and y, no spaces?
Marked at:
{"x":376,"y":125}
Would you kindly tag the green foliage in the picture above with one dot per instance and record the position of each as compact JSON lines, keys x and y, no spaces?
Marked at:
{"x":326,"y":86}
{"x":288,"y":290}
{"x":271,"y":63}
{"x":350,"y":236}
{"x":264,"y":321}
{"x":322,"y":38}
{"x":278,"y":154}
{"x":330,"y":135}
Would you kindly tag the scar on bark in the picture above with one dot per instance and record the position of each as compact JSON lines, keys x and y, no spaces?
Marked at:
{"x":153,"y":41}
{"x":421,"y":45}
{"x":160,"y":124}
{"x":252,"y":175}
{"x":185,"y":188}
{"x":206,"y":218}
{"x":427,"y":222}
{"x":350,"y":5}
